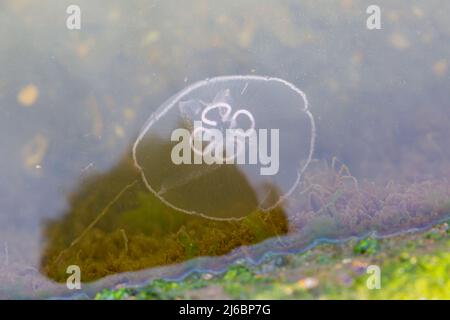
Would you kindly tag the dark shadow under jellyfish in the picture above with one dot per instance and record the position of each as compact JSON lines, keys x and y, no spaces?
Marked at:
{"x":110,"y":228}
{"x":153,"y":209}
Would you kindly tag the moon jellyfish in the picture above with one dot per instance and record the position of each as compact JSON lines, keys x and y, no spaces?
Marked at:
{"x":225,"y":147}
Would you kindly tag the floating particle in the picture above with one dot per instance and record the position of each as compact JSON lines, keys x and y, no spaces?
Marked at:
{"x":417,"y":11}
{"x":440,"y":68}
{"x":96,"y":117}
{"x":83,"y":50}
{"x":28,"y":95}
{"x":34,"y":152}
{"x":150,"y":38}
{"x":129,"y":114}
{"x":399,"y":41}
{"x":119,"y":131}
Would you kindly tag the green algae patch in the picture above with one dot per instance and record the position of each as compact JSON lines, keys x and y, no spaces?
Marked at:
{"x":413,"y":266}
{"x":115,"y":225}
{"x":366,"y":246}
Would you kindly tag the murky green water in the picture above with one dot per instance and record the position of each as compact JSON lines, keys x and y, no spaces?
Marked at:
{"x":72,"y":103}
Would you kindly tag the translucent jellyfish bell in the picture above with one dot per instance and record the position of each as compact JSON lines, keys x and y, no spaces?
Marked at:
{"x":225,"y":147}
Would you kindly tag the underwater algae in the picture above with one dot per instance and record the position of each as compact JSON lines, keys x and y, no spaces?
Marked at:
{"x":114,"y":224}
{"x":138,"y":231}
{"x":414,"y":267}
{"x":333,"y":208}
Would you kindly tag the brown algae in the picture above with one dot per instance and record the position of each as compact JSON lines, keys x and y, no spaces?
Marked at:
{"x":138,"y":231}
